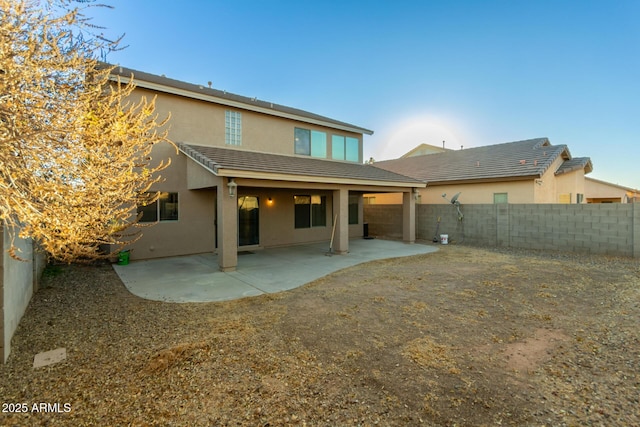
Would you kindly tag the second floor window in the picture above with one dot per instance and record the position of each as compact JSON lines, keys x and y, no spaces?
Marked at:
{"x":310,"y":143}
{"x":345,"y":148}
{"x":316,"y":144}
{"x":233,"y":127}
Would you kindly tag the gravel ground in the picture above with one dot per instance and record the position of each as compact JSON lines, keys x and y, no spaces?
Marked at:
{"x":464,"y":336}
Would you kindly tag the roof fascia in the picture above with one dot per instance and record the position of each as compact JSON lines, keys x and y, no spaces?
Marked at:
{"x":235,"y":104}
{"x":622,"y":187}
{"x":587,"y":167}
{"x":485,"y":180}
{"x":238,"y":173}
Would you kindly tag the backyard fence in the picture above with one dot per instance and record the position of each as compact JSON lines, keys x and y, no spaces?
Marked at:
{"x":18,"y":281}
{"x":612,"y":229}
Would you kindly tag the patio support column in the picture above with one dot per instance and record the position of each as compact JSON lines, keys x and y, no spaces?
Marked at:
{"x":227,"y":212}
{"x":341,"y":210}
{"x":408,"y":217}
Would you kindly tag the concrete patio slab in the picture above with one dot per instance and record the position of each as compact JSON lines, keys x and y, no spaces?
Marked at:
{"x":196,"y":278}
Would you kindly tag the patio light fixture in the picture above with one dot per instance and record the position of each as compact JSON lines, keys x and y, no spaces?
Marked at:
{"x":232,"y":187}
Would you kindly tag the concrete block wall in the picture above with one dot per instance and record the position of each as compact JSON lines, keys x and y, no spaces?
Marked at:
{"x":597,"y":228}
{"x":612,"y":229}
{"x":636,"y":230}
{"x":18,"y":282}
{"x":429,"y":216}
{"x":384,"y":220}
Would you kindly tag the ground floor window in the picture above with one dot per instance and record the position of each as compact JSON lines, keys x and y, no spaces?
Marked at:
{"x":310,"y":211}
{"x":163,"y":209}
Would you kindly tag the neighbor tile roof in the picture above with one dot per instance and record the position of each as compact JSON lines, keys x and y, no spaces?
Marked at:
{"x":249,"y":103}
{"x":513,"y":160}
{"x":575,"y":164}
{"x":217,"y":159}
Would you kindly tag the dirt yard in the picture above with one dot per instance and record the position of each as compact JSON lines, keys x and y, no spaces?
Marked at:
{"x":461,"y":337}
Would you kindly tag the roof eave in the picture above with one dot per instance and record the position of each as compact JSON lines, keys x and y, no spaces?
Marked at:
{"x":276,"y":176}
{"x":484,"y":180}
{"x":235,"y":104}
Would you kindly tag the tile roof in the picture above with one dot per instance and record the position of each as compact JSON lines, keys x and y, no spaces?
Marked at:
{"x":575,"y":164}
{"x":217,"y":159}
{"x":224,"y":97}
{"x":526,"y":159}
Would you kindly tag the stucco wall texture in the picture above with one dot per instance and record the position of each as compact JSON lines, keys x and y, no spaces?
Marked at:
{"x":611,"y":229}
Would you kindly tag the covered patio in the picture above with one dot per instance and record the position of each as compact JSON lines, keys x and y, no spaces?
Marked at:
{"x":197,"y":278}
{"x":264,"y":200}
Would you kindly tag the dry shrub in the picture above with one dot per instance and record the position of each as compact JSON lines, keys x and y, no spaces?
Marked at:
{"x":178,"y":355}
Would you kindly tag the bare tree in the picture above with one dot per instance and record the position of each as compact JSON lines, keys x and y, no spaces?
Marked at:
{"x":75,"y":150}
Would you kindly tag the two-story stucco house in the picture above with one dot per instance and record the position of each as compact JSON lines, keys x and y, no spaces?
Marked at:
{"x":251,"y":174}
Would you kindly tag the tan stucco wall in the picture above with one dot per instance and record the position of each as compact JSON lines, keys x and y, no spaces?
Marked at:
{"x":596,"y":189}
{"x":277,"y":218}
{"x":546,"y":188}
{"x":203,"y":123}
{"x":571,"y":183}
{"x":194,"y":230}
{"x":518,"y":192}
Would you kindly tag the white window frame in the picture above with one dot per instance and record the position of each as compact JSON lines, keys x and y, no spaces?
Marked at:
{"x":232,"y":127}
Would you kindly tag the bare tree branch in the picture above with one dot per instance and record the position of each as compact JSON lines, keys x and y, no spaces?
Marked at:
{"x":75,"y":152}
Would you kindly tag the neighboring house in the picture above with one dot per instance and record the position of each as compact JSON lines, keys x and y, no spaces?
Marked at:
{"x":424,"y":149}
{"x":531,"y":171}
{"x":250,"y":174}
{"x":597,"y":191}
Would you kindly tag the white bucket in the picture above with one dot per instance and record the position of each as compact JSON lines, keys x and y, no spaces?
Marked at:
{"x":444,"y":239}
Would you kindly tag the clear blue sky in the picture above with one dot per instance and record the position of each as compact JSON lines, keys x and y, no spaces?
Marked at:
{"x":471,"y":73}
